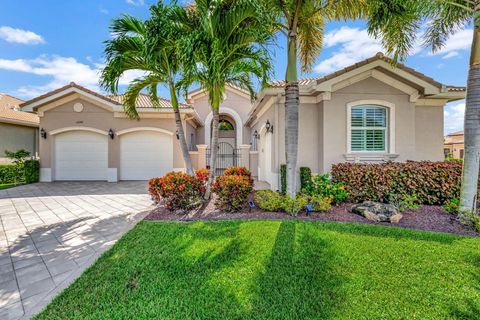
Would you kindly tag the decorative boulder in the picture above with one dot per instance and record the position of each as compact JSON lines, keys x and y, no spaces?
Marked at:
{"x":378,"y":212}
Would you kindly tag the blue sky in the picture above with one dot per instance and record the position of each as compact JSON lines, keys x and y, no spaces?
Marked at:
{"x":46,"y":44}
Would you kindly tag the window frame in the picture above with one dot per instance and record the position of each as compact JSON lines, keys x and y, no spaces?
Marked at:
{"x":389,"y":130}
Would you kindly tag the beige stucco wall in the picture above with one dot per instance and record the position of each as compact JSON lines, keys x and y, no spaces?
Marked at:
{"x":14,"y":137}
{"x":429,"y":133}
{"x":96,"y":117}
{"x":237,"y":102}
{"x":335,"y":119}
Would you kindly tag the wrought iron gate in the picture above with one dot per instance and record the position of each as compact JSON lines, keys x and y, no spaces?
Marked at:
{"x":227,"y":156}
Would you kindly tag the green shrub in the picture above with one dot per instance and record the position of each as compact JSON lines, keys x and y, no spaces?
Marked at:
{"x":305,"y":177}
{"x":293,"y":206}
{"x":31,"y":171}
{"x":283,"y":178}
{"x":452,"y":205}
{"x":322,"y":185}
{"x":179,"y":191}
{"x":405,"y":201}
{"x":434,"y":183}
{"x":470,"y":218}
{"x":9,"y":174}
{"x":232,"y":192}
{"x":269,"y":200}
{"x":320,"y":203}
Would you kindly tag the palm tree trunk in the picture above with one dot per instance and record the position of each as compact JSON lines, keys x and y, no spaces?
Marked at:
{"x":472,"y":127}
{"x":213,"y":145}
{"x":181,"y":133}
{"x":291,"y":115}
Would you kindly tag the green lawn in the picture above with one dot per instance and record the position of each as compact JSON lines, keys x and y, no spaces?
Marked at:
{"x":277,"y":270}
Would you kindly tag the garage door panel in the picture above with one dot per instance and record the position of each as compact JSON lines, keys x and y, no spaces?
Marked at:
{"x":81,"y":155}
{"x":145,"y":154}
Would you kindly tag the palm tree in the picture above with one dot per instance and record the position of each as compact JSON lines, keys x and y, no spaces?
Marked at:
{"x":448,"y":17}
{"x":226,"y":47}
{"x":303,"y":23}
{"x":445,"y":18}
{"x":149,"y":46}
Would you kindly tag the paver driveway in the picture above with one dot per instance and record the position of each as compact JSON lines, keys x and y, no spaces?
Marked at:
{"x":50,"y":232}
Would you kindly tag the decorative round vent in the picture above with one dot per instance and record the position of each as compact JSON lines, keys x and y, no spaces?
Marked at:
{"x":78,"y":107}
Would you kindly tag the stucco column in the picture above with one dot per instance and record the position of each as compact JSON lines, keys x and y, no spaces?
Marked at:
{"x":245,"y":156}
{"x":202,"y":156}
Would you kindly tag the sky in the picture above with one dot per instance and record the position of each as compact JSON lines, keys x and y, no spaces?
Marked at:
{"x":47,"y":44}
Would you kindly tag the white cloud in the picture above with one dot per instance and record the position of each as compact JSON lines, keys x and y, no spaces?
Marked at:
{"x":355,"y":45}
{"x":454,"y":117}
{"x":60,"y":71}
{"x":13,"y":35}
{"x":462,"y":40}
{"x":136,"y":2}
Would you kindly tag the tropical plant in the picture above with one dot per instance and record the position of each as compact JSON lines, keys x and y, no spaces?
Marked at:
{"x":269,"y":200}
{"x":226,"y":46}
{"x":18,"y":159}
{"x":149,"y":46}
{"x":322,"y":184}
{"x":232,"y":192}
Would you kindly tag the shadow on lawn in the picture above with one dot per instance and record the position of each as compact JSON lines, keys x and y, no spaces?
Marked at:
{"x":390,"y":231}
{"x":472,"y":308}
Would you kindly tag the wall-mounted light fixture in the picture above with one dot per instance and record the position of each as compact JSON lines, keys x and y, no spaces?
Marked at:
{"x":256,"y":136}
{"x":176,"y":133}
{"x":111,"y":134}
{"x":43,"y":133}
{"x":269,"y":127}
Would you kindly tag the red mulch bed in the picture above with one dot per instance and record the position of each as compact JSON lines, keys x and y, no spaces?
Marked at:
{"x":432,"y":218}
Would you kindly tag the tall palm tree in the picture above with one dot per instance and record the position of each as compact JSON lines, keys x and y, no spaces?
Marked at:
{"x":226,"y":47}
{"x":149,"y":46}
{"x":303,"y":23}
{"x":448,"y":17}
{"x":444,"y":18}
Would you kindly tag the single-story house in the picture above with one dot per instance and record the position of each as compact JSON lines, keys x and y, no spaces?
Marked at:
{"x":18,"y":129}
{"x":454,"y":145}
{"x":368,"y":112}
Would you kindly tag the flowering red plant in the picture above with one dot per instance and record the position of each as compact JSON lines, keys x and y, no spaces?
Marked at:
{"x":202,"y":174}
{"x":232,"y":192}
{"x":238,"y":171}
{"x":178,"y":190}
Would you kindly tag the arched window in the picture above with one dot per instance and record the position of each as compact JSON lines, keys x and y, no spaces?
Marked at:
{"x":225,"y":125}
{"x":369,"y":128}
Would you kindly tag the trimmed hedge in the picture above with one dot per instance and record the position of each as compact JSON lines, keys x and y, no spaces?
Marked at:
{"x":433,"y":183}
{"x":283,"y":178}
{"x":305,"y":177}
{"x":31,"y":171}
{"x":9,"y":174}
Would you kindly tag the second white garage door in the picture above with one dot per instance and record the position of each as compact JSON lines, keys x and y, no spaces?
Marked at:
{"x":145,"y":155}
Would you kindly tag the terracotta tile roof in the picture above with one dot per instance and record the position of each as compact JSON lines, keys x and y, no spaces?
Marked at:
{"x":378,"y":56}
{"x":70,"y":85}
{"x":455,"y":137}
{"x":144,"y":101}
{"x":11,"y":115}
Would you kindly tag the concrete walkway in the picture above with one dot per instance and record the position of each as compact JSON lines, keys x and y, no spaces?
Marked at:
{"x":50,"y":233}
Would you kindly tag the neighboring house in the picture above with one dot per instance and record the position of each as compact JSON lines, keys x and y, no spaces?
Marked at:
{"x":368,"y":112}
{"x":18,"y":129}
{"x":453,"y":145}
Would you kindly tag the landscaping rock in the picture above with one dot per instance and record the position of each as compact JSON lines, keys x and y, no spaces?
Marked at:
{"x":378,"y":212}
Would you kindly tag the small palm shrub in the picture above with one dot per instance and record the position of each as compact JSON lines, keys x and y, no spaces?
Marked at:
{"x":269,"y":200}
{"x":232,"y":192}
{"x":178,"y":190}
{"x":320,"y":203}
{"x":405,"y":201}
{"x":305,"y":177}
{"x":452,"y":205}
{"x":293,"y":205}
{"x":322,"y":185}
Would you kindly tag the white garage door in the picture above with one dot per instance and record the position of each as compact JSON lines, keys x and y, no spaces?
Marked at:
{"x":81,"y":155}
{"x":145,"y":154}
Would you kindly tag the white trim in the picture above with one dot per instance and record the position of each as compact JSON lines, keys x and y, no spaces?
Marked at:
{"x":119,"y":133}
{"x":112,"y":175}
{"x":234,"y":115}
{"x":390,"y":128}
{"x":29,"y":107}
{"x":45,"y":174}
{"x":66,"y":129}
